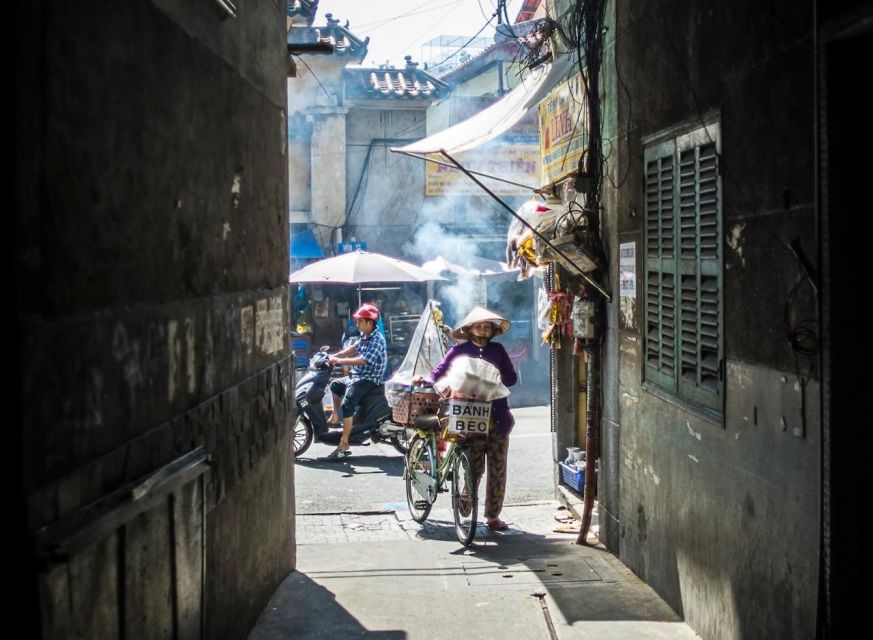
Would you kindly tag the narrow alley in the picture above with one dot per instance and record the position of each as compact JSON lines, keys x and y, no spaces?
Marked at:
{"x":634,"y":226}
{"x":366,"y":569}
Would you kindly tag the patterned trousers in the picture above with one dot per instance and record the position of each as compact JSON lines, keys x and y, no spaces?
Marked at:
{"x":495,"y":449}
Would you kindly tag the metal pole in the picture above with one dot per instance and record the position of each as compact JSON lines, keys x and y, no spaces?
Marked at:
{"x":592,"y":352}
{"x":478,"y":173}
{"x":585,"y":277}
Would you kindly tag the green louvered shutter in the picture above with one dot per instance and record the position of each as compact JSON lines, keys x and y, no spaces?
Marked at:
{"x":660,"y":267}
{"x":700,"y":288}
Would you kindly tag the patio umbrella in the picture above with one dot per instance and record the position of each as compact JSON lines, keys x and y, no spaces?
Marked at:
{"x":471,"y":267}
{"x":359,"y":267}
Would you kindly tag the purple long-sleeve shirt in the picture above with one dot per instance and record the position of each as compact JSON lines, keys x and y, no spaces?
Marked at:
{"x":494,"y":353}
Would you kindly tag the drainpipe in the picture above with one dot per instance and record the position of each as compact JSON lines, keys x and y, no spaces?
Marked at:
{"x":592,"y":391}
{"x":590,"y":175}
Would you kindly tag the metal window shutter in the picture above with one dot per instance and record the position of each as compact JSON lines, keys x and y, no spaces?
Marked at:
{"x":660,"y":252}
{"x":700,"y":275}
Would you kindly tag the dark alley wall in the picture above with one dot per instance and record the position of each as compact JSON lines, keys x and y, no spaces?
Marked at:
{"x":151,"y":267}
{"x":718,"y":509}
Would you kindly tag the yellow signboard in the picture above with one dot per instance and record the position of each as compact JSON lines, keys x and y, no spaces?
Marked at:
{"x":513,"y":157}
{"x":563,"y":121}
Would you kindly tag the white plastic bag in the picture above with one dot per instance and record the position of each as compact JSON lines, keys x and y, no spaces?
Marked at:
{"x":472,"y":378}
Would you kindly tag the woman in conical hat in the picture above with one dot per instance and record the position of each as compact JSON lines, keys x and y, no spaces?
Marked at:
{"x":500,"y":325}
{"x":477,"y":331}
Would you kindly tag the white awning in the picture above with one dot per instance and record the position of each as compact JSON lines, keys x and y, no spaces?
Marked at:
{"x":499,"y":117}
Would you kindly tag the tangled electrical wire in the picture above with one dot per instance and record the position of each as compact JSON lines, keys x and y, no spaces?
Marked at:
{"x":583,"y":31}
{"x":535,"y":43}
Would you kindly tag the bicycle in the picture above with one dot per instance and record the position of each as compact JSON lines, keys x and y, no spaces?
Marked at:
{"x":428,"y":469}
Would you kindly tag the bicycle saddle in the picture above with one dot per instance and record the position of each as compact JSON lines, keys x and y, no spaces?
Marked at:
{"x":427,"y":423}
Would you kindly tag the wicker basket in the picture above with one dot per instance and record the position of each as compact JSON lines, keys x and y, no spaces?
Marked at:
{"x":414,"y":404}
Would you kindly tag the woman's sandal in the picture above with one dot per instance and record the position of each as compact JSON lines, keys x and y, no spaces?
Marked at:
{"x":497,"y":525}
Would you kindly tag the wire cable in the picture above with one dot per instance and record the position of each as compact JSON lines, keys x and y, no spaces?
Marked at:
{"x":464,"y":46}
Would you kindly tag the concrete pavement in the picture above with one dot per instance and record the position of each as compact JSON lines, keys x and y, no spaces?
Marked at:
{"x":381,"y":575}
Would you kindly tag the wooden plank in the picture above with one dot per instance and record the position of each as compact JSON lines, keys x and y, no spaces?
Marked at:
{"x":80,"y":599}
{"x":148,"y":579}
{"x":94,"y":591}
{"x":54,"y":597}
{"x":188,"y":527}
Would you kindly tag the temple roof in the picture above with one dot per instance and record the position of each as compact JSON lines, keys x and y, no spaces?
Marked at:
{"x":344,"y":42}
{"x":408,"y":83}
{"x":301,"y":11}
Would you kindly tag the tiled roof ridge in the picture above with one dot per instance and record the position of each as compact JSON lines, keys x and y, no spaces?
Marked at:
{"x":408,"y":82}
{"x":344,"y":41}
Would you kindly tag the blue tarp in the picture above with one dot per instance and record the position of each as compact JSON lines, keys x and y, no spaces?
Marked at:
{"x":304,"y":246}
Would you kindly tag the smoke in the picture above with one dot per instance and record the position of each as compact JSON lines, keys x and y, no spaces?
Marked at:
{"x":431,"y":241}
{"x":465,"y":291}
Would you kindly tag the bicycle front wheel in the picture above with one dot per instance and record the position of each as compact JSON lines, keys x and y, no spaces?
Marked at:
{"x":464,"y":498}
{"x":420,"y":478}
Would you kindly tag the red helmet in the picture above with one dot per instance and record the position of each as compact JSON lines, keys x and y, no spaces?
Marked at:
{"x":367,"y":312}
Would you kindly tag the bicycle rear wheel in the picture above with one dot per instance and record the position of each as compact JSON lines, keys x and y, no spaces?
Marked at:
{"x":420,"y":478}
{"x":465,"y":502}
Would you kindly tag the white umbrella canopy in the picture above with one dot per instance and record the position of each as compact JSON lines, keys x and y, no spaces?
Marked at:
{"x":472,"y":266}
{"x":360,"y":267}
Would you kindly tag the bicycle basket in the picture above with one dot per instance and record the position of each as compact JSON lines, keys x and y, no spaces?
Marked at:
{"x":416,"y":403}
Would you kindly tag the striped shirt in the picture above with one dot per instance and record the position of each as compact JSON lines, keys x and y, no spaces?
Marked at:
{"x":371,"y":348}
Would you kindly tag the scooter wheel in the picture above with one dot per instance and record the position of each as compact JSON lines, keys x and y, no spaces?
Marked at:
{"x":302,"y":435}
{"x":401,"y":442}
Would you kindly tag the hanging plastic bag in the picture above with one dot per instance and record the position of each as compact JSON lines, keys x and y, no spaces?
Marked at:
{"x":426,"y":349}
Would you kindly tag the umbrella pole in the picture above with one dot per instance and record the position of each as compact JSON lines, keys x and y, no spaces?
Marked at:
{"x":359,"y":296}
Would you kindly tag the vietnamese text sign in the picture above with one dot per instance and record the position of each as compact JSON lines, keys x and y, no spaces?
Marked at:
{"x":349,"y":247}
{"x":563,"y":121}
{"x":515,"y":157}
{"x":627,"y":275}
{"x":469,"y":417}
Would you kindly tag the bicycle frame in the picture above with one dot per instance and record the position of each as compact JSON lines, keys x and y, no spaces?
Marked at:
{"x":444,"y":461}
{"x":428,"y":470}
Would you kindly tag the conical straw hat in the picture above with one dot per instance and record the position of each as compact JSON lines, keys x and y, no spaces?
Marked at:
{"x":481,"y":314}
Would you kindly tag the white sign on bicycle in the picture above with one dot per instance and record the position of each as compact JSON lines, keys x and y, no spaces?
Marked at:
{"x":467,"y":417}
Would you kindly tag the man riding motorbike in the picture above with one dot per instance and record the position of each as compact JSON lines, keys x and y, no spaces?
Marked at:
{"x":368,"y":358}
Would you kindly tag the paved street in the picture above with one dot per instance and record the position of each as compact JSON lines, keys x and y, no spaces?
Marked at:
{"x":372,"y":480}
{"x":536,"y":518}
{"x":366,"y":569}
{"x":383,"y":576}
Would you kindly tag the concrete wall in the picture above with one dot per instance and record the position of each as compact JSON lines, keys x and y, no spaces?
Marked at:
{"x":720,"y":516}
{"x":388,"y":203}
{"x":317,"y":131}
{"x":151,"y":298}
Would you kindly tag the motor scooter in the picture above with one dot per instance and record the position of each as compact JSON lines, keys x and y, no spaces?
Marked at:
{"x":372,"y":420}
